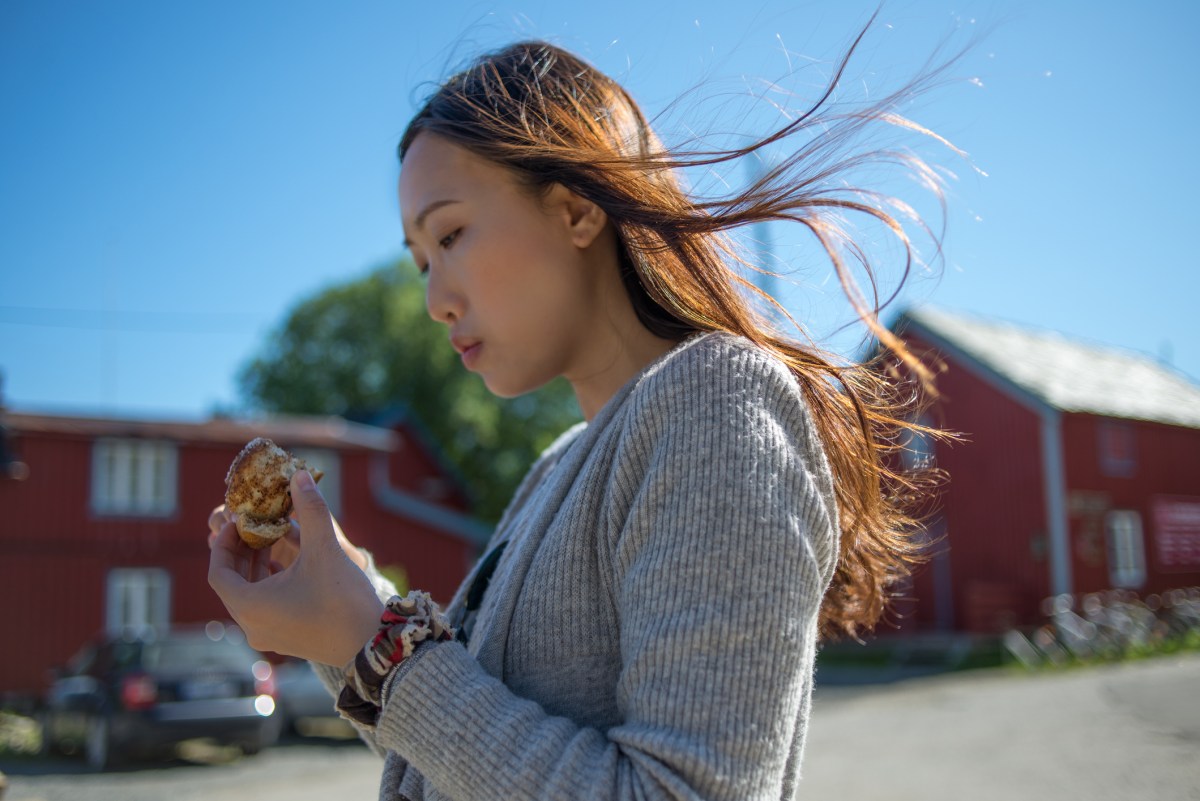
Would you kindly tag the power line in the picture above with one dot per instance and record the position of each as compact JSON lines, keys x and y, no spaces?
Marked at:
{"x":143,"y":321}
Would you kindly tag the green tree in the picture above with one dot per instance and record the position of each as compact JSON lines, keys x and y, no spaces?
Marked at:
{"x":358,"y":348}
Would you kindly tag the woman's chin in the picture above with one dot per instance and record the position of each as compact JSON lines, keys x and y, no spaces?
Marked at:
{"x":502,"y":388}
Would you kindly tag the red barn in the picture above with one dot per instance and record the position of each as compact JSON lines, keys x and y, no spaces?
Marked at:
{"x":1080,"y":472}
{"x":105,"y":520}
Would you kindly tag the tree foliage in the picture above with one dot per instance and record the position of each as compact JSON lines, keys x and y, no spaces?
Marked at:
{"x":362,"y":347}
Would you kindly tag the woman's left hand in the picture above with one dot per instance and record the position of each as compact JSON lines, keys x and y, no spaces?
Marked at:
{"x":319,"y":607}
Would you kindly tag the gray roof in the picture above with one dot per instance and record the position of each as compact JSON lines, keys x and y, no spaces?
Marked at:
{"x":1068,"y":374}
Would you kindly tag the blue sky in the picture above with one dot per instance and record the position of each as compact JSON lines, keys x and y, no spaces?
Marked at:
{"x":175,"y":176}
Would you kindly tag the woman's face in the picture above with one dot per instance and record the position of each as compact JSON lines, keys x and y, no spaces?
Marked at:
{"x":505,"y":269}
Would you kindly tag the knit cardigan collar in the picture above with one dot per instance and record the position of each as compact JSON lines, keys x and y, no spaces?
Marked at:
{"x":572,"y":451}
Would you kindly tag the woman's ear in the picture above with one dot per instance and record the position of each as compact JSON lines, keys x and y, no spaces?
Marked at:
{"x":585,"y":220}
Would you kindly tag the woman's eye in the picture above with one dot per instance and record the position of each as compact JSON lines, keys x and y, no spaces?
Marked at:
{"x":445,"y":242}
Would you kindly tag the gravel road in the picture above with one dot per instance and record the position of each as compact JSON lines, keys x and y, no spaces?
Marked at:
{"x":1119,"y":732}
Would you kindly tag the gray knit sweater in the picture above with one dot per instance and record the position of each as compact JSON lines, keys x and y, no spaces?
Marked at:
{"x":649,"y":632}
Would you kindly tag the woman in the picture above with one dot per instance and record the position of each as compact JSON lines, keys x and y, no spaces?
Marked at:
{"x":645,"y":620}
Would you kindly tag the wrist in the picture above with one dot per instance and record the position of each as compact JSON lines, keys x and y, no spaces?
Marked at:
{"x":357,"y":555}
{"x":404,"y":625}
{"x":364,"y":626}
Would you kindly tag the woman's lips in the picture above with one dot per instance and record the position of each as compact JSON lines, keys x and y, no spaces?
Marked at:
{"x":470,"y":355}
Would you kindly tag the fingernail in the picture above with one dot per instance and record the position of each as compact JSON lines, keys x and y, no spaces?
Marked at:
{"x":304,"y":481}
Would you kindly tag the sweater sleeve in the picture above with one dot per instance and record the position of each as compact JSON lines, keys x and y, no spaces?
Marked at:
{"x":332,"y":677}
{"x":718,"y":538}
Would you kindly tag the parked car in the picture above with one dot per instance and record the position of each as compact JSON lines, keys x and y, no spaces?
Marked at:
{"x":305,"y":706}
{"x":121,"y":696}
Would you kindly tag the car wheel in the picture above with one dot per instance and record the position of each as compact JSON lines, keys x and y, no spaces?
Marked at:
{"x":97,"y":748}
{"x":267,"y":737}
{"x":47,"y":746}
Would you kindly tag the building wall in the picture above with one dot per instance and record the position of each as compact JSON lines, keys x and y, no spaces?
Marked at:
{"x":56,"y":554}
{"x":434,"y":560}
{"x":1126,"y":465}
{"x":994,"y":559}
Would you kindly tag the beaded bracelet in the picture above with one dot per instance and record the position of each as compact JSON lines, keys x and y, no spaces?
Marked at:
{"x":405,"y":623}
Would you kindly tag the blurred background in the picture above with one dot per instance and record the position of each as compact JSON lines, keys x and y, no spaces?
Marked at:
{"x":177,"y":176}
{"x":201,"y":243}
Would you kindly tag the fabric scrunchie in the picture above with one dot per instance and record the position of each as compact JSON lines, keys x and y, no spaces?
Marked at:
{"x":405,"y":623}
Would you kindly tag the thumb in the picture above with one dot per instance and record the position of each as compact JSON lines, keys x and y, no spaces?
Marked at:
{"x":316,"y":524}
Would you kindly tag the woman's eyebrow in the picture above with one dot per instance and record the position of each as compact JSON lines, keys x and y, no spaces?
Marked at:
{"x":419,"y":222}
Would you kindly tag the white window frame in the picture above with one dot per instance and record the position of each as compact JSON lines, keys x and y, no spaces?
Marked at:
{"x":1126,"y":549}
{"x":137,"y":600}
{"x":135,"y":477}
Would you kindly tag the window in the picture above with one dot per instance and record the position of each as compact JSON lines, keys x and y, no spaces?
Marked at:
{"x":1126,"y":553}
{"x":327,"y":462}
{"x":1118,"y":452}
{"x":134,"y":477}
{"x":1177,"y":532}
{"x":137,"y":601}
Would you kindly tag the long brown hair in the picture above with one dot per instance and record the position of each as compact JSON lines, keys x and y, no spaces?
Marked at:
{"x":554,"y":119}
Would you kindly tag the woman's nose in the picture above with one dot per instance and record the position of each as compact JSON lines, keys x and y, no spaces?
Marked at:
{"x":442,"y":301}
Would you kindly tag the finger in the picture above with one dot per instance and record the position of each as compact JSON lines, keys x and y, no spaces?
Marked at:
{"x":217,"y":518}
{"x":260,"y":565}
{"x":226,"y":565}
{"x":292,"y":537}
{"x":287,"y":548}
{"x":213,"y":533}
{"x":243,"y":554}
{"x":316,"y":524}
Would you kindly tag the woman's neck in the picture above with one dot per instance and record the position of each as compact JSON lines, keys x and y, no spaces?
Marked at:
{"x":626,"y":356}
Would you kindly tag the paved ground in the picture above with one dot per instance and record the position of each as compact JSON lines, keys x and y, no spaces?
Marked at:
{"x":1121,"y":732}
{"x":296,"y":770}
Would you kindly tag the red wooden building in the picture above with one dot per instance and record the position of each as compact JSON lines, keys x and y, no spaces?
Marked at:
{"x":105,"y":520}
{"x":1080,"y":472}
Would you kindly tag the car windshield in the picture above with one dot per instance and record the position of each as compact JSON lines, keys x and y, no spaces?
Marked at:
{"x":179,"y":654}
